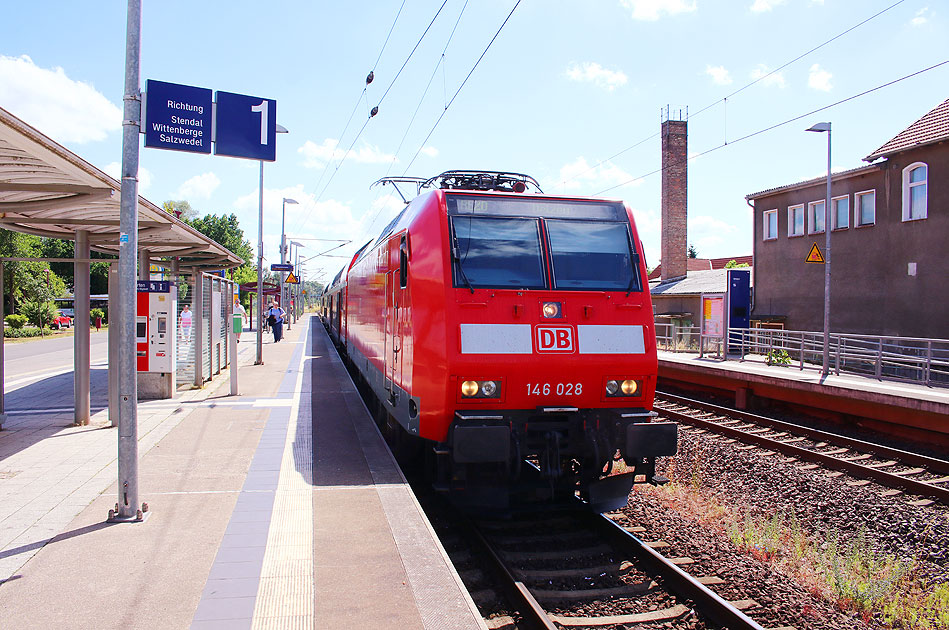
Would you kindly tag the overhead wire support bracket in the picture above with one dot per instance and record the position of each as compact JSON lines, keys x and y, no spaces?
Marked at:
{"x":395,"y":181}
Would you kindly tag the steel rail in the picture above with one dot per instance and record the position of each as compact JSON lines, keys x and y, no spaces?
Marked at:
{"x":914,"y":459}
{"x":517,"y":592}
{"x":680,"y":582}
{"x":828,"y":461}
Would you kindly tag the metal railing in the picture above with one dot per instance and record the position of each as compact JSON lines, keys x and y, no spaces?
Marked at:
{"x":909,"y":359}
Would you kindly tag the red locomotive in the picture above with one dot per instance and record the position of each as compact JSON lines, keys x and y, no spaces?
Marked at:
{"x":506,"y":328}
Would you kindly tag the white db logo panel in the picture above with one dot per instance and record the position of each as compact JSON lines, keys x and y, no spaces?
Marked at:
{"x":554,"y":339}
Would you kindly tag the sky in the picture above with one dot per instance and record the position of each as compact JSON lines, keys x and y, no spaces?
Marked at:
{"x":570,"y":92}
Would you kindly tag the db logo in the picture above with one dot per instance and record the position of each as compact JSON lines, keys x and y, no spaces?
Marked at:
{"x":554,"y":339}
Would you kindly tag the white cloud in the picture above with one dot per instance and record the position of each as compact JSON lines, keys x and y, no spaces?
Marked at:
{"x":429,"y":152}
{"x":652,"y":10}
{"x":199,"y":186}
{"x":63,"y":109}
{"x":819,"y":79}
{"x":114,"y":170}
{"x":776,"y":79}
{"x":921,"y":17}
{"x":719,"y":74}
{"x":595,"y":73}
{"x":580,"y":177}
{"x":318,"y":155}
{"x":762,"y":6}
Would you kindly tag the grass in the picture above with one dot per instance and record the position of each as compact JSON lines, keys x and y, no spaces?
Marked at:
{"x":849,"y":574}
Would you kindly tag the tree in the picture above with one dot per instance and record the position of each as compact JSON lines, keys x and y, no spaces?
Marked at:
{"x":693,"y":253}
{"x":733,"y":264}
{"x":181,"y":209}
{"x":226,"y":231}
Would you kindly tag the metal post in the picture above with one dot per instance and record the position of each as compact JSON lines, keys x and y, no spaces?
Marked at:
{"x":113,"y":339}
{"x":283,"y":256}
{"x":128,"y":503}
{"x":3,"y":415}
{"x":81,"y":359}
{"x":144,"y":265}
{"x":825,"y":364}
{"x":197,"y":307}
{"x":260,"y":267}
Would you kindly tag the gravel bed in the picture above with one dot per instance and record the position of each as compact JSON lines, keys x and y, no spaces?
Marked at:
{"x":825,"y":507}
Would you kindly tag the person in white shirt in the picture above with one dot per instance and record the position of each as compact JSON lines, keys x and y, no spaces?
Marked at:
{"x":186,"y":322}
{"x":275,"y":318}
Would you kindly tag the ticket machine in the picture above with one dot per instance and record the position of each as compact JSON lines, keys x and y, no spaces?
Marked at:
{"x":155,"y":338}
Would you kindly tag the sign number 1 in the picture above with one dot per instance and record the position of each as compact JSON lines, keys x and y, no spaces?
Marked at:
{"x":262,"y":108}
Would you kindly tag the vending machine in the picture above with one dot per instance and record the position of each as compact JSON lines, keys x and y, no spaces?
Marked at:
{"x":155,"y":338}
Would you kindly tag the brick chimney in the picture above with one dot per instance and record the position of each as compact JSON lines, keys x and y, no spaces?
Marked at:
{"x":675,"y":189}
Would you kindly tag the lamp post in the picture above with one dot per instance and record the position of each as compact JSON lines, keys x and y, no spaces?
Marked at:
{"x":260,"y":262}
{"x":296,"y":293}
{"x":825,"y":363}
{"x":283,"y":245}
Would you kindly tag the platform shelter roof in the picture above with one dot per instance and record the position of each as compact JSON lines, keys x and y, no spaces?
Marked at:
{"x":47,"y":190}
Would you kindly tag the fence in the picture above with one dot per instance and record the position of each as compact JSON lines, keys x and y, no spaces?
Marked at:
{"x":909,"y":359}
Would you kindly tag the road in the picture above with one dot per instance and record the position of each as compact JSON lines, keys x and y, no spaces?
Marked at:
{"x":50,"y":360}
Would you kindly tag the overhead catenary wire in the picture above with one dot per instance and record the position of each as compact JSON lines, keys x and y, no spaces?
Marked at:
{"x":458,"y":91}
{"x":775,"y":126}
{"x":741,"y":89}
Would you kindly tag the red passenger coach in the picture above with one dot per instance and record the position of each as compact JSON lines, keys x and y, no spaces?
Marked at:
{"x":511,"y":331}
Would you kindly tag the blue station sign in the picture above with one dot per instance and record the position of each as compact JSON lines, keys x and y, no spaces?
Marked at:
{"x":153,"y":286}
{"x":177,"y":117}
{"x":281,"y":267}
{"x":246,"y":126}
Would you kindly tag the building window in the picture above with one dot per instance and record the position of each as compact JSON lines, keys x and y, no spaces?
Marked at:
{"x":915,"y":178}
{"x":796,"y":220}
{"x":865,"y":207}
{"x":840,"y":212}
{"x":815,"y":217}
{"x":770,"y":225}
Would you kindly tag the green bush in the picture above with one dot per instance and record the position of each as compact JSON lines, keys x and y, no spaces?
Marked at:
{"x":94,"y":313}
{"x":23,"y":333}
{"x":39,"y":313}
{"x":16,"y":322}
{"x":779,"y":357}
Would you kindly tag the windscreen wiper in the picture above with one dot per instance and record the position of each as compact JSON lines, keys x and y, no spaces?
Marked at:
{"x":461,"y":269}
{"x":634,"y":269}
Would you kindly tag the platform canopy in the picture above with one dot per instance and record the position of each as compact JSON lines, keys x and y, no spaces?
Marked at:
{"x":47,"y":190}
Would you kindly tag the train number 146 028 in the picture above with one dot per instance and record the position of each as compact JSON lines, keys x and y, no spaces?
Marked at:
{"x":560,"y":389}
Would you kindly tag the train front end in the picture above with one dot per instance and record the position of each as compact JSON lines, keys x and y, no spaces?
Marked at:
{"x":555,"y":359}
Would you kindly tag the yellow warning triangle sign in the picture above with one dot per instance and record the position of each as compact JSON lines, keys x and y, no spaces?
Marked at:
{"x":814,"y":256}
{"x":292,"y":279}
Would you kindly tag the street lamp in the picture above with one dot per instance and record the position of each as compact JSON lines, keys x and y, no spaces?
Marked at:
{"x":295,"y":290}
{"x":260,"y":262}
{"x":283,"y":244}
{"x":825,"y":364}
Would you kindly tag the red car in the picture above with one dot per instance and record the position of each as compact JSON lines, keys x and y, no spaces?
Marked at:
{"x":500,"y":326}
{"x":61,"y":321}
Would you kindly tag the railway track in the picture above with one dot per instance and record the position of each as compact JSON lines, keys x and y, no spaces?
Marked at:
{"x":866,"y":461}
{"x":609,"y":570}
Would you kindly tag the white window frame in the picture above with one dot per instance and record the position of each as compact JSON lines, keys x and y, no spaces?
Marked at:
{"x":833,"y":212}
{"x":856,"y":207}
{"x":792,"y":222}
{"x":907,"y":189}
{"x":811,"y":217}
{"x":766,"y":233}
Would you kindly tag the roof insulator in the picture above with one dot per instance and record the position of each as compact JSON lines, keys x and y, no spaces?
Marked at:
{"x":375,"y":110}
{"x":370,"y":77}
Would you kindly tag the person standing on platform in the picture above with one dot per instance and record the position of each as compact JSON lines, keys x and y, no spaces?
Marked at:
{"x":185,"y":322}
{"x":275,"y":319}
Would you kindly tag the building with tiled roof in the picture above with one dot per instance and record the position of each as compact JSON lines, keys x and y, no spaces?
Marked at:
{"x":889,"y":235}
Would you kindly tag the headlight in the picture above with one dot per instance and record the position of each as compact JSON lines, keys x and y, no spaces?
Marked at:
{"x":551,"y":310}
{"x":480,"y":389}
{"x":622,"y":388}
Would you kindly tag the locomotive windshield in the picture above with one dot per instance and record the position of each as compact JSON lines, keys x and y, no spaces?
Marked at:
{"x":591,"y":255}
{"x":497,"y":253}
{"x":500,"y":242}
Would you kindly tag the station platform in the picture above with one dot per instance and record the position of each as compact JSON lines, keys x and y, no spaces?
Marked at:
{"x":278,"y":508}
{"x":913,"y":411}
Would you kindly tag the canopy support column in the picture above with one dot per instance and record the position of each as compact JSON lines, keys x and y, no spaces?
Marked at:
{"x":81,"y":357}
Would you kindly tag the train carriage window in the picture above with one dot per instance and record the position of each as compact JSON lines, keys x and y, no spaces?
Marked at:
{"x":497,"y":253}
{"x":589,"y":255}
